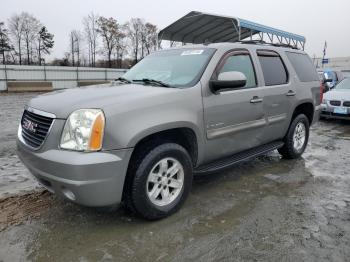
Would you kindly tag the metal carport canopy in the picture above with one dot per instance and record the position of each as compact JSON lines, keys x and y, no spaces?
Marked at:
{"x":197,"y":27}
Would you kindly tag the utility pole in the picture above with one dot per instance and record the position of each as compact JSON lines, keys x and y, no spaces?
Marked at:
{"x":314,"y":60}
{"x":5,"y":71}
{"x":45,"y":77}
{"x":324,"y":53}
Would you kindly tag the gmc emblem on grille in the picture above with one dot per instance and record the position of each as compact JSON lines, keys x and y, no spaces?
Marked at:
{"x":29,"y":125}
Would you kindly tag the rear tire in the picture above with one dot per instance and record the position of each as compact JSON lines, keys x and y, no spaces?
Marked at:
{"x":160,"y":181}
{"x":297,"y":138}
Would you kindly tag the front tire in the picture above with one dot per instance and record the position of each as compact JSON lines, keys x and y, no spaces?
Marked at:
{"x":297,"y":138}
{"x":161,"y":181}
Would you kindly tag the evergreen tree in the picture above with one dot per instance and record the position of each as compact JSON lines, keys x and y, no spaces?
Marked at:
{"x":45,"y":43}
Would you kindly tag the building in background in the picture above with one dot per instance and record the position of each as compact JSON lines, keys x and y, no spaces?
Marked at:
{"x":337,"y":64}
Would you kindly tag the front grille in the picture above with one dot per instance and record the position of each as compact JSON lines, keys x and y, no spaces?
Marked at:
{"x":335,"y":102}
{"x":35,"y":128}
{"x":346,"y":104}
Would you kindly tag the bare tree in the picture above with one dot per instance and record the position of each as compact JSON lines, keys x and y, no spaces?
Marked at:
{"x":15,"y":24}
{"x":121,"y":49}
{"x":134,"y":29}
{"x":151,"y":38}
{"x":109,"y":29}
{"x":143,"y":38}
{"x":72,"y":45}
{"x":5,"y":45}
{"x":30,"y":36}
{"x":31,"y":27}
{"x":91,"y":34}
{"x":78,"y":42}
{"x":121,"y":45}
{"x":75,"y":44}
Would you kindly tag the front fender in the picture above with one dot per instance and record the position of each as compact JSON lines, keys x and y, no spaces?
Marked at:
{"x":127,"y":125}
{"x":164,"y":127}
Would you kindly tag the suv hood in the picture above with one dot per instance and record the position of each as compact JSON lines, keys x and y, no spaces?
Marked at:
{"x":63,"y":102}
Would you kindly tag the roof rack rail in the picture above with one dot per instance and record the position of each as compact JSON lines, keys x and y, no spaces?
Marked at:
{"x":198,"y":28}
{"x":285,"y":45}
{"x":252,"y":42}
{"x":261,"y":42}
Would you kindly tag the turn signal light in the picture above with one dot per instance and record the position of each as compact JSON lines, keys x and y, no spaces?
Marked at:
{"x":97,"y":133}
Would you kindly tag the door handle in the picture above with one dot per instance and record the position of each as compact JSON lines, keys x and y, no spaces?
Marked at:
{"x":256,"y":99}
{"x":291,"y":93}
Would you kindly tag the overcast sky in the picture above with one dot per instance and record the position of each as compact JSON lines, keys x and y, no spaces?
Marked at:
{"x":317,"y":20}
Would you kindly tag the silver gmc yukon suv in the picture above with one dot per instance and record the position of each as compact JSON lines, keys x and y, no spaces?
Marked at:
{"x":177,"y":113}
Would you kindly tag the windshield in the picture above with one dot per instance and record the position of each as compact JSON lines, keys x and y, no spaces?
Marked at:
{"x":345,"y":84}
{"x":176,"y":68}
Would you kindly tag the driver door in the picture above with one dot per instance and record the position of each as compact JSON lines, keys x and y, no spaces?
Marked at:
{"x":234,"y":119}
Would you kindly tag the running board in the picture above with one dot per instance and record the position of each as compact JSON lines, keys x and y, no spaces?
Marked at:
{"x":237,"y":158}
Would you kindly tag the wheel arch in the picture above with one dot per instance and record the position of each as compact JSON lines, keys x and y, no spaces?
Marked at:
{"x":304,"y":107}
{"x":184,"y":134}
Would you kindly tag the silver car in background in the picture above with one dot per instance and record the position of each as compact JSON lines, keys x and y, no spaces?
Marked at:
{"x":336,"y":103}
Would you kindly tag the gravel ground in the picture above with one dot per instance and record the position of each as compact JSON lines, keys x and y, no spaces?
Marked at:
{"x":268,"y":209}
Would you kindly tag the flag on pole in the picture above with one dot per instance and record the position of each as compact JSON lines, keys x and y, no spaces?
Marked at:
{"x":325,"y":49}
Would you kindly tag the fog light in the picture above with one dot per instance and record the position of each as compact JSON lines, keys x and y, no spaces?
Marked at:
{"x":68,"y":194}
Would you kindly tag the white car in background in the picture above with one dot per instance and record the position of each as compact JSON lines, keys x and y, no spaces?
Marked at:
{"x":336,"y":103}
{"x":333,"y":77}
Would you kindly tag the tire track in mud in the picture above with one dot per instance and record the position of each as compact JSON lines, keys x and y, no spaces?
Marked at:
{"x":17,"y":209}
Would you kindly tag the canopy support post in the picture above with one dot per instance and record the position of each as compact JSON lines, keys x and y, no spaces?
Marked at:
{"x":160,"y":39}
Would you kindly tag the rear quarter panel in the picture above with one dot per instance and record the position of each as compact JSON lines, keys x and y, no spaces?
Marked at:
{"x":306,"y":92}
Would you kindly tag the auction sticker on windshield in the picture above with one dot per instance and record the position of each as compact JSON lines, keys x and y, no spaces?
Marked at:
{"x":192,"y":52}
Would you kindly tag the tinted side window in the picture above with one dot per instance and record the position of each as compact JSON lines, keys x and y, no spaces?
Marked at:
{"x":303,"y":66}
{"x":273,"y":68}
{"x":241,"y":63}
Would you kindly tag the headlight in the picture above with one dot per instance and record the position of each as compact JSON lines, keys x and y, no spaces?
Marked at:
{"x":324,"y":101}
{"x":83,"y":130}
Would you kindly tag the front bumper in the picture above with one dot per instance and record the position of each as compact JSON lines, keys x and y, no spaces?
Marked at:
{"x":327,"y":111}
{"x":90,"y":179}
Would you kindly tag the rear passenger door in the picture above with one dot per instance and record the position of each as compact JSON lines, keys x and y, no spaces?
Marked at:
{"x":278,"y":94}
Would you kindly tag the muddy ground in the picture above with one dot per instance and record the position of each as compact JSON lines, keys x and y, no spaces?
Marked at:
{"x":14,"y":178}
{"x":268,"y":209}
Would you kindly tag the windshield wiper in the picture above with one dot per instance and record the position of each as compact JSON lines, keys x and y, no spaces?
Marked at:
{"x":123,"y":80}
{"x":152,"y":81}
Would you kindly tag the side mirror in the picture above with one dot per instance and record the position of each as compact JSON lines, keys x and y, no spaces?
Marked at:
{"x":228,"y":80}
